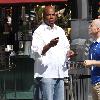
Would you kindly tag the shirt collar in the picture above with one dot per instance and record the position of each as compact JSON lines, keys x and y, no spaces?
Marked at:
{"x":98,"y":40}
{"x":48,"y":27}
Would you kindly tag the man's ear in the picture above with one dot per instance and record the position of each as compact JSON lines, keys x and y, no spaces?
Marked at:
{"x":56,"y":13}
{"x":98,"y":29}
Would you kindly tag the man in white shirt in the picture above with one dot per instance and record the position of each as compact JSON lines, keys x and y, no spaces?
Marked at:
{"x":49,"y":49}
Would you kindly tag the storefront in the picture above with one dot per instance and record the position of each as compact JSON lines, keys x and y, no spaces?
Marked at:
{"x":18,"y":19}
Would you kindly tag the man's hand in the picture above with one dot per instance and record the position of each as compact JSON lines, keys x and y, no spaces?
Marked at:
{"x":70,"y":53}
{"x":54,"y":42}
{"x":88,"y":63}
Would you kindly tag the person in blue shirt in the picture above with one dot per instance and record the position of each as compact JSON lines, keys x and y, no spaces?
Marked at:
{"x":94,"y":58}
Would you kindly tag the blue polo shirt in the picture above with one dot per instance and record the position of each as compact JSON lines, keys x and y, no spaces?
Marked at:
{"x":94,"y":54}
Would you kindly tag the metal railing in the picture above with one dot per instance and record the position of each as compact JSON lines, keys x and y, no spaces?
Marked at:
{"x":77,"y":87}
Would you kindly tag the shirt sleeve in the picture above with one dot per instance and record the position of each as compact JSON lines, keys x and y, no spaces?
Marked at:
{"x":37,"y":45}
{"x":65,"y":43}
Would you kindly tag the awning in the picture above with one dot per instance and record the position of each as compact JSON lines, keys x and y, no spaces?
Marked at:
{"x":29,"y":1}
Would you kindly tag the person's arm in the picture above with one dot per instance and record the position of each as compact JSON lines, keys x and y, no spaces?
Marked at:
{"x":37,"y":45}
{"x":52,"y":43}
{"x":46,"y":48}
{"x":88,"y":63}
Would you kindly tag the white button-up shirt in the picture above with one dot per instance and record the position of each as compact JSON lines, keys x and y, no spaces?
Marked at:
{"x":52,"y":64}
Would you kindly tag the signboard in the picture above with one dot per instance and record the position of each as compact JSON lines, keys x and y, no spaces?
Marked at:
{"x":29,"y":1}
